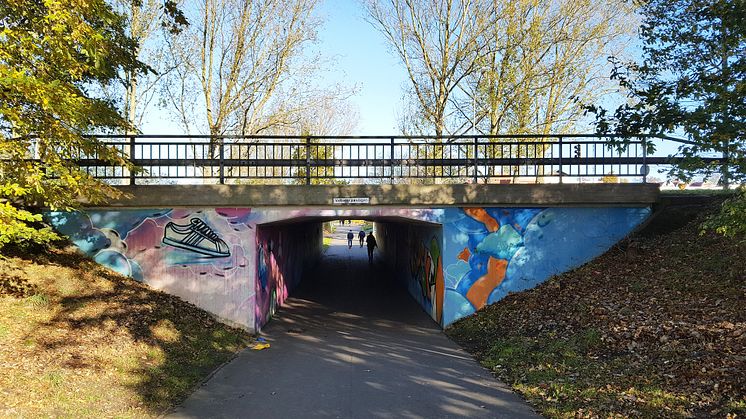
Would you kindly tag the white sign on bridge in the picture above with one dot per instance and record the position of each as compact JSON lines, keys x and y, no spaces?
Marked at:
{"x":348,"y":201}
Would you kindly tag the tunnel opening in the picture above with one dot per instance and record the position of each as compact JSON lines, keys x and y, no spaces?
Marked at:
{"x":306,"y":266}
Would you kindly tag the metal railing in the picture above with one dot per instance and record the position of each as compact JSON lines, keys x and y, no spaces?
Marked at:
{"x":375,"y":159}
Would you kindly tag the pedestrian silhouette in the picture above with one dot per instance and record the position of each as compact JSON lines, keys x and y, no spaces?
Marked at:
{"x":361,"y":236}
{"x":371,"y":241}
{"x":350,"y":236}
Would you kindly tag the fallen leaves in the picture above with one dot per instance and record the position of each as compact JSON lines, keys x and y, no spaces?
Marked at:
{"x":101,"y":344}
{"x":669,"y":331}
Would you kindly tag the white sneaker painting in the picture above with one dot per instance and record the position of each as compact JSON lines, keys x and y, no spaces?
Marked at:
{"x":196,"y":237}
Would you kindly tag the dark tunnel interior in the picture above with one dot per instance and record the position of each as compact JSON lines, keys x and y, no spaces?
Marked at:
{"x":309,"y":262}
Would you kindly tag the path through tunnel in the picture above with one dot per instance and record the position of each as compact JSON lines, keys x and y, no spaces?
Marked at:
{"x":303,"y":276}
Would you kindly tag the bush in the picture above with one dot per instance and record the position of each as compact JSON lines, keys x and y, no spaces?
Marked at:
{"x":731,"y":220}
{"x":18,"y":225}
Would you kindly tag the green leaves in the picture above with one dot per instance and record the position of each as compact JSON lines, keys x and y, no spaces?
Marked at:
{"x":692,"y":80}
{"x":55,"y":59}
{"x":731,"y":220}
{"x":18,"y":225}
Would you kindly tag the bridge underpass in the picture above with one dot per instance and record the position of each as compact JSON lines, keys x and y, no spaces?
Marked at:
{"x":351,"y":342}
{"x":407,"y":256}
{"x":230,"y":249}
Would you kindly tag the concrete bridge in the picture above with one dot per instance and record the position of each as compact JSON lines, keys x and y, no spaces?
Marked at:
{"x":239,"y":251}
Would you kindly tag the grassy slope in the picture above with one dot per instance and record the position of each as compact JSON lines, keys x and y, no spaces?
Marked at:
{"x":79,"y":340}
{"x":656,"y":327}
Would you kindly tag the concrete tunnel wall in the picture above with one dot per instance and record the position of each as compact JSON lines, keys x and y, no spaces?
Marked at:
{"x":413,"y":253}
{"x":485,"y":252}
{"x":284,"y":253}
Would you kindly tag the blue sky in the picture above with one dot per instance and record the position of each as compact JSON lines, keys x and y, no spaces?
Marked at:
{"x":363,"y":60}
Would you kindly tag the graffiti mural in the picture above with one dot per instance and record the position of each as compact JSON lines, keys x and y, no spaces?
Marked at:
{"x":201,"y":255}
{"x":414,"y":254}
{"x":196,"y":236}
{"x":491,"y":252}
{"x":241,"y":264}
{"x":426,"y":270}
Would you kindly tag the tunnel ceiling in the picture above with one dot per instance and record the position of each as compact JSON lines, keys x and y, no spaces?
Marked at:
{"x":325,"y":218}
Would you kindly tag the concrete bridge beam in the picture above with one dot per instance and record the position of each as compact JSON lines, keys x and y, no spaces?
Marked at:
{"x":542,"y":195}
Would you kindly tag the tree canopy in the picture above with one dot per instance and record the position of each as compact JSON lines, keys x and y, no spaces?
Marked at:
{"x":55,"y":59}
{"x":690,"y":80}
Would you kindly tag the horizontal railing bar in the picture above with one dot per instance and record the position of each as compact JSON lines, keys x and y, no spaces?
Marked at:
{"x":376,"y":137}
{"x":386,"y":162}
{"x":302,"y":145}
{"x":387,"y":137}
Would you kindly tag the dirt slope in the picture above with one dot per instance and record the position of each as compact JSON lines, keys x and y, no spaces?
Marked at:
{"x":653,"y":328}
{"x":78,"y":340}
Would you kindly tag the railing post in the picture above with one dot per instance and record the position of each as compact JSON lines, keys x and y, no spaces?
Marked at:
{"x":221,"y":154}
{"x":308,"y":160}
{"x":132,"y":157}
{"x":560,"y":160}
{"x":391,"y":161}
{"x":476,"y":160}
{"x":644,"y":161}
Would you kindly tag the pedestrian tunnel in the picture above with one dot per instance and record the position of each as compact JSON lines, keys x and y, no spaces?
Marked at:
{"x":242,"y":263}
{"x":408,"y":255}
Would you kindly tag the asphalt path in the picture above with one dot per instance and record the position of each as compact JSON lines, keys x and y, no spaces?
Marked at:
{"x":350,"y":343}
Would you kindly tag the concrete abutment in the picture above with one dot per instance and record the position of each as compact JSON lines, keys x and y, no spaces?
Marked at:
{"x":238,"y":251}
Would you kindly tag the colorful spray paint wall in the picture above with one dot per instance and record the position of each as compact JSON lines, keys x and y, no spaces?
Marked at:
{"x":284,"y":252}
{"x":205,"y":256}
{"x":413,"y":251}
{"x":229,"y":261}
{"x":490,"y":252}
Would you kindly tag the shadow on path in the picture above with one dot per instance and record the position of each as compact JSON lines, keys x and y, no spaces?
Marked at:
{"x":352,"y":344}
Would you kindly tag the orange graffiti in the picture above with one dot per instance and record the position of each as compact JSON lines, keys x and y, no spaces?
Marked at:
{"x":481,"y":215}
{"x":439,"y":292}
{"x":465,"y":254}
{"x":481,"y":289}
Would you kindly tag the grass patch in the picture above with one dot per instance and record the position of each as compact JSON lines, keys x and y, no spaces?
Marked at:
{"x":81,"y":341}
{"x":327,"y":242}
{"x":38,"y":300}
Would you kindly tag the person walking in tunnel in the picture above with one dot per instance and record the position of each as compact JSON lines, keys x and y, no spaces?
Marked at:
{"x":350,"y":236}
{"x":361,"y":236}
{"x":371,"y":241}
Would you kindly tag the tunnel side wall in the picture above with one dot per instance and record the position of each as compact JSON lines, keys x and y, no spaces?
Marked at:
{"x":284,"y":252}
{"x":413,"y":253}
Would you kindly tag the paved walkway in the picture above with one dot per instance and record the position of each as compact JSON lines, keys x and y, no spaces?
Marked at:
{"x":351,"y":344}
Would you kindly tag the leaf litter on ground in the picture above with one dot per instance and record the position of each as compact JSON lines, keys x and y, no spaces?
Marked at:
{"x":79,"y":340}
{"x":656,"y":327}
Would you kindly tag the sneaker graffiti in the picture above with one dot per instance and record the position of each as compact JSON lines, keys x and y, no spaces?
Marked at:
{"x":196,"y":237}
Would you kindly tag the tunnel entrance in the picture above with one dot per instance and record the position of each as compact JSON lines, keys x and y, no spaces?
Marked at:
{"x":308,"y":265}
